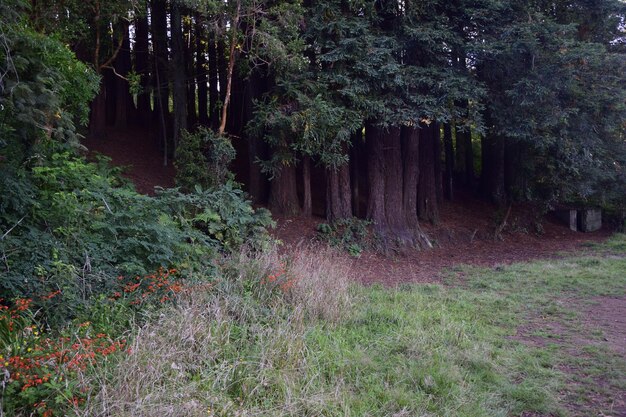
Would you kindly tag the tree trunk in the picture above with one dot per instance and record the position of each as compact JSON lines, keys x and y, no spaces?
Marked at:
{"x":427,"y":192}
{"x":437,"y":162}
{"x":355,"y":180}
{"x":283,"y":192}
{"x":375,"y":176}
{"x":338,"y":195}
{"x":492,"y":179}
{"x":307,"y":204}
{"x":229,"y":70}
{"x":460,"y":154}
{"x":97,"y":117}
{"x":123,"y":99}
{"x":469,"y":158}
{"x":213,"y":82}
{"x":160,"y":48}
{"x":410,"y":156}
{"x":188,"y":45}
{"x":142,"y":66}
{"x":201,"y":73}
{"x":449,"y":174}
{"x":410,"y":161}
{"x":393,"y":175}
{"x":178,"y":73}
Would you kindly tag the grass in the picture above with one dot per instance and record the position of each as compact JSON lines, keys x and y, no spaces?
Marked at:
{"x":491,"y":342}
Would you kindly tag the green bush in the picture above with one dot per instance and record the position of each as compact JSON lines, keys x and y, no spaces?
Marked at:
{"x":352,"y":235}
{"x":84,"y":225}
{"x":202,"y":159}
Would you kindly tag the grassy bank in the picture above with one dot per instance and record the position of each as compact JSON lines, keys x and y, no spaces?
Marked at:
{"x":507,"y":341}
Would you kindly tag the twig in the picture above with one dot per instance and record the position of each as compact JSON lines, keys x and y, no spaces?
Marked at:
{"x":107,"y":206}
{"x":14,"y":226}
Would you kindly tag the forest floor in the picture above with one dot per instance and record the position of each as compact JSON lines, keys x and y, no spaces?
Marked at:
{"x":465,"y":235}
{"x":589,"y":330}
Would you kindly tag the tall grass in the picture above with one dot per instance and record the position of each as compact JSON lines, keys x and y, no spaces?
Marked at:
{"x":237,"y":348}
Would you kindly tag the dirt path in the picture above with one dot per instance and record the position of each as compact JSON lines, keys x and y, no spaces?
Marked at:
{"x":462,"y":239}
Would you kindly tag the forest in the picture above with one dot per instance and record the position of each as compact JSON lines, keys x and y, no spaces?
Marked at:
{"x":391,"y":104}
{"x":370,"y":117}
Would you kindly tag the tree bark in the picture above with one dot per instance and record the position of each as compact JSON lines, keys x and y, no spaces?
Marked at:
{"x":123,"y":99}
{"x":375,"y":176}
{"x":178,"y":73}
{"x":229,"y":71}
{"x":410,"y":153}
{"x":437,"y":162}
{"x":410,"y":161}
{"x":393,"y":175}
{"x":307,"y":202}
{"x":448,"y":188}
{"x":338,"y":195}
{"x":213,"y":82}
{"x":469,"y":158}
{"x":283,"y":192}
{"x":427,"y":192}
{"x":189,"y":45}
{"x":492,"y":178}
{"x":355,"y":180}
{"x":97,"y":117}
{"x":160,"y":48}
{"x":142,"y":66}
{"x":201,"y":72}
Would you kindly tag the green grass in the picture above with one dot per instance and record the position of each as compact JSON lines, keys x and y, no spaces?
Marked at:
{"x":490,"y":342}
{"x":447,"y":350}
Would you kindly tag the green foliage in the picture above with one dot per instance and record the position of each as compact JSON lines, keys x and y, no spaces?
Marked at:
{"x":203,"y":159}
{"x":352,"y":235}
{"x":84,"y":226}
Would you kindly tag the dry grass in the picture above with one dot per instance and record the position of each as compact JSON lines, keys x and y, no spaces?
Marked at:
{"x":237,"y":349}
{"x":322,"y":283}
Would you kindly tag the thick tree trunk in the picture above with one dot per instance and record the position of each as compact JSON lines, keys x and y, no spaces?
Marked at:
{"x":142,"y":66}
{"x":97,"y":117}
{"x":410,"y":155}
{"x":410,"y":160}
{"x":355,"y":180}
{"x":427,"y":192}
{"x":283,"y":192}
{"x":213,"y":82}
{"x":393,"y":175}
{"x":178,"y":73}
{"x":375,"y":176}
{"x":160,"y":48}
{"x":201,"y":72}
{"x":307,"y":202}
{"x":469,"y":158}
{"x":492,"y":179}
{"x":460,"y":155}
{"x":162,"y":93}
{"x":123,"y":100}
{"x":437,"y":162}
{"x":338,"y":195}
{"x":448,"y":188}
{"x":190,"y":67}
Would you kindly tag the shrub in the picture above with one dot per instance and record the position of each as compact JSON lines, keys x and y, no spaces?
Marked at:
{"x":352,"y":235}
{"x":203,"y":159}
{"x":84,"y":225}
